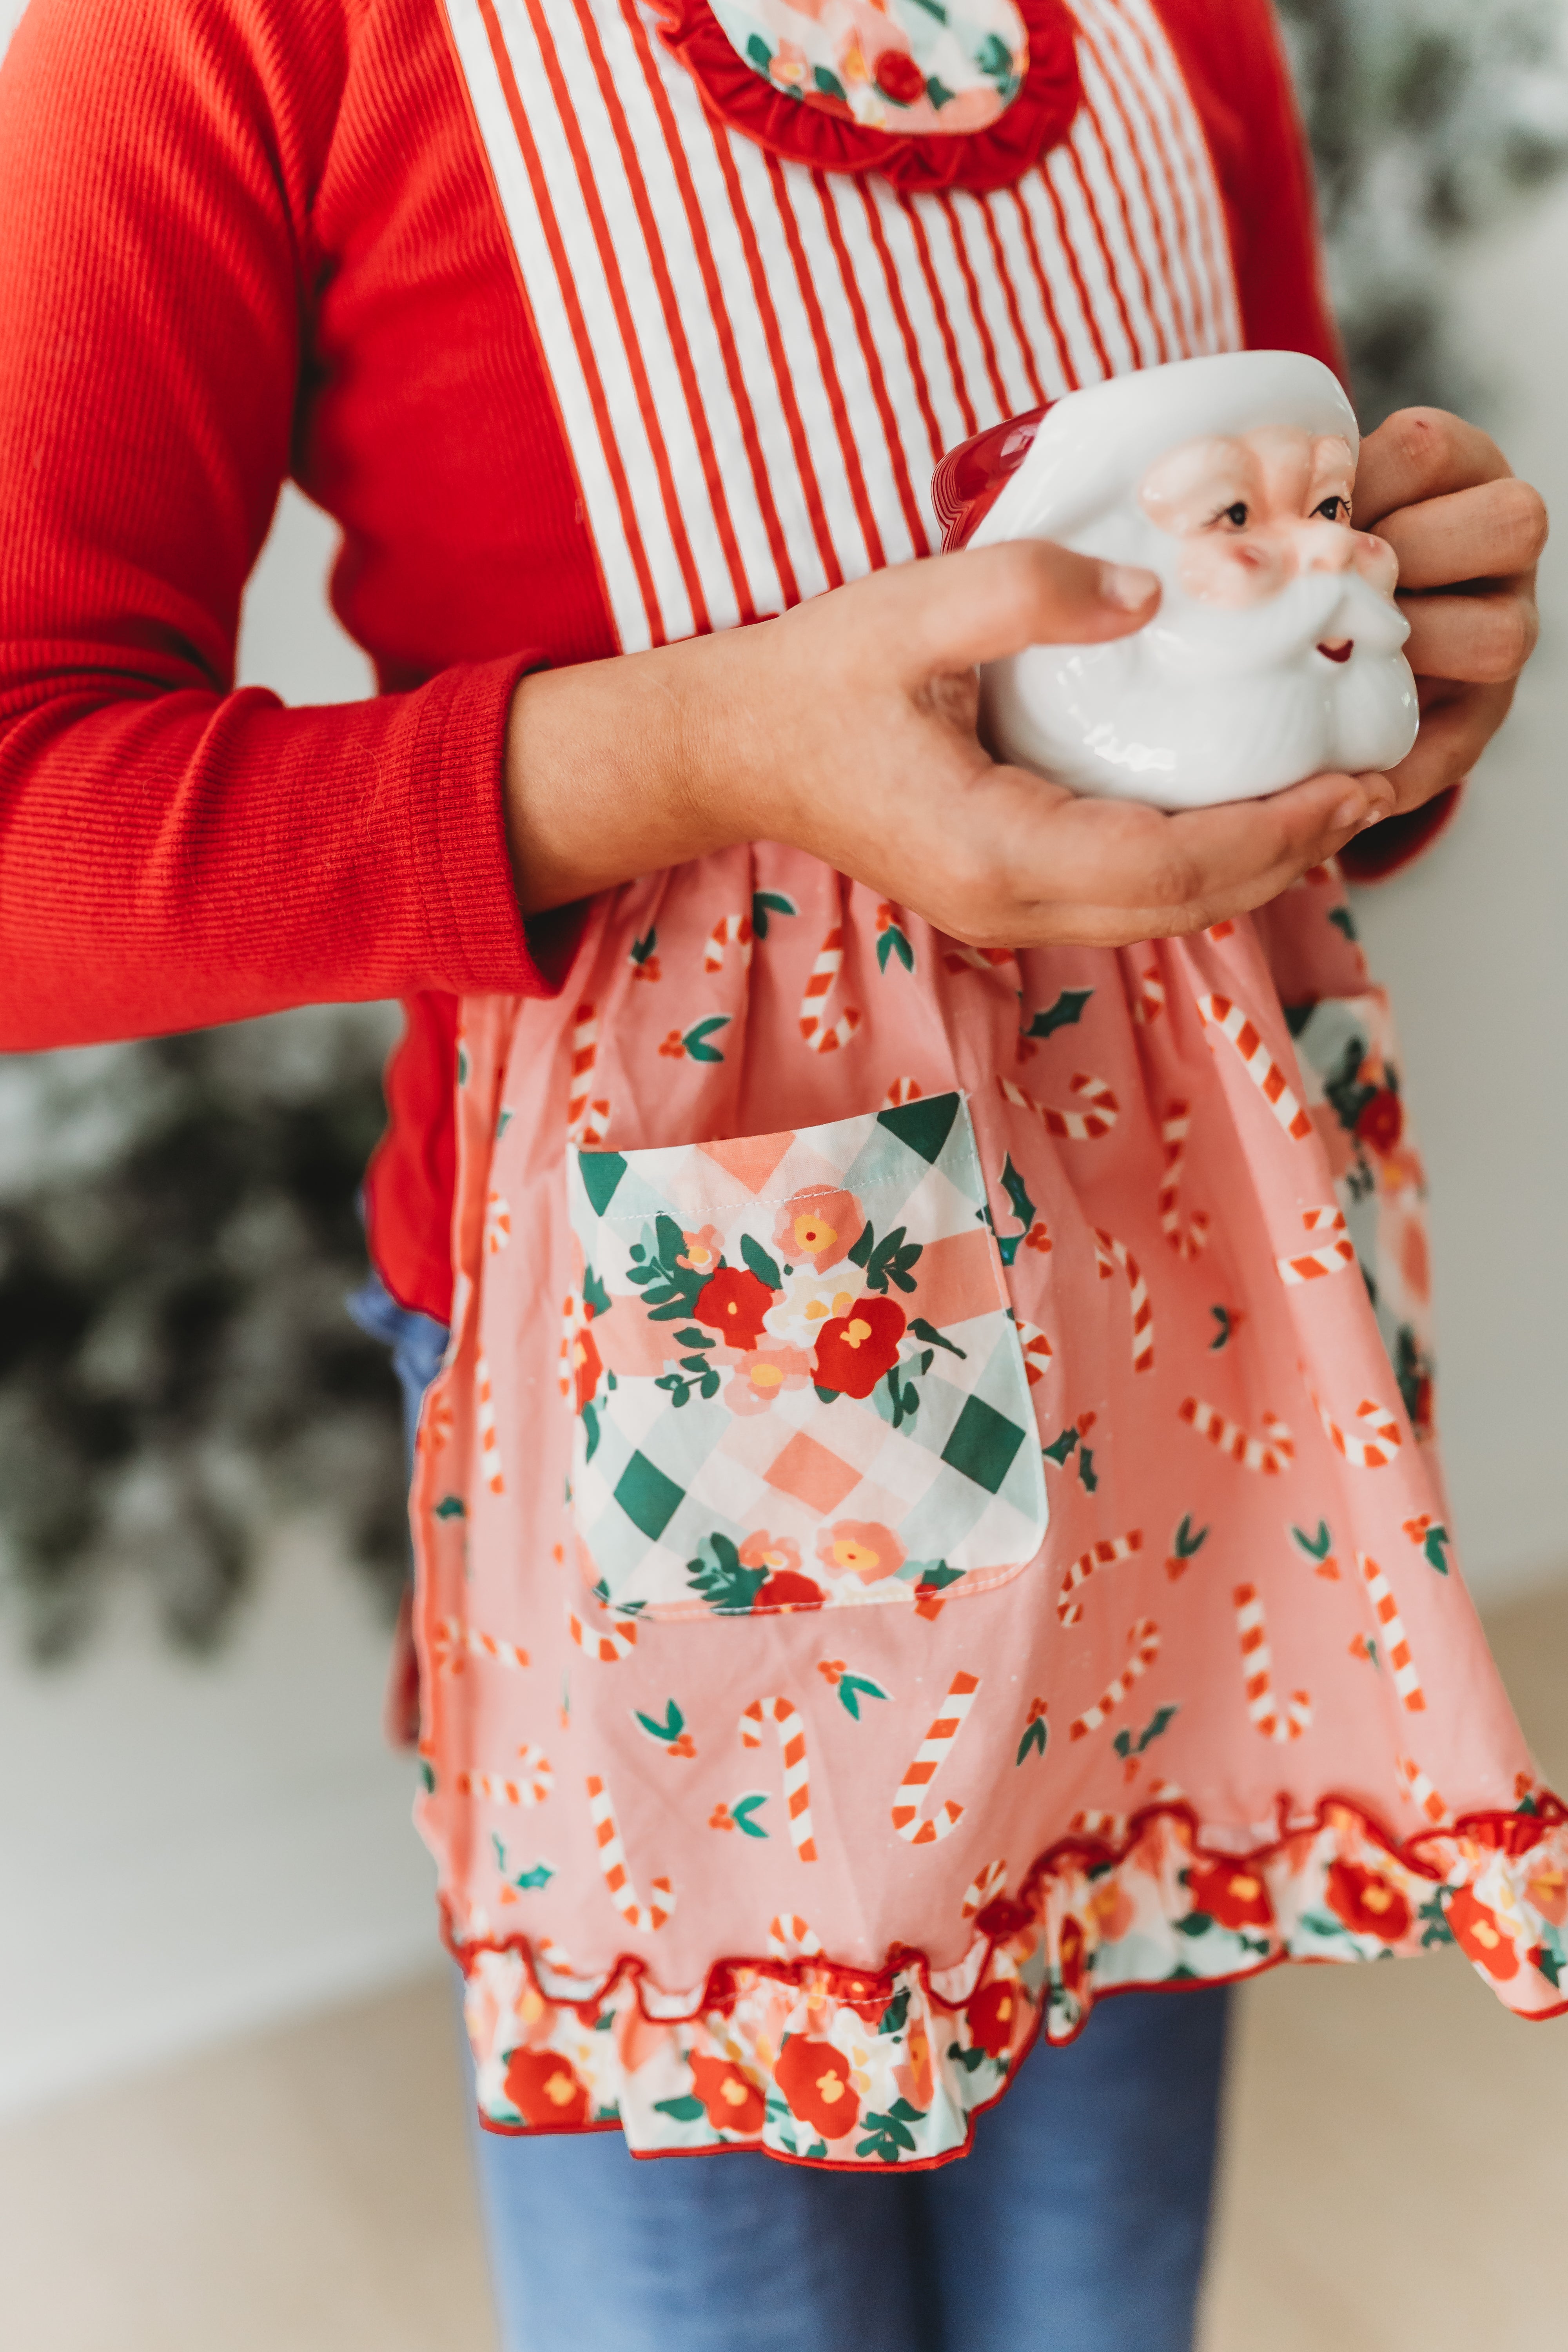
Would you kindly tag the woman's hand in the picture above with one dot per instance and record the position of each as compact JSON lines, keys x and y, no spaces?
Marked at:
{"x":847,"y":729}
{"x":1468,"y":537}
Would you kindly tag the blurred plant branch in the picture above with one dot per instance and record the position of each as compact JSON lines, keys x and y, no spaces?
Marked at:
{"x":1428,"y":118}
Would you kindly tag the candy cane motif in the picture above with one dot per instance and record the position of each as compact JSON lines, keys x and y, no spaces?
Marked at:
{"x":1150,"y":1001}
{"x":584,"y":1054}
{"x":1074,"y":1125}
{"x":453,"y":1643}
{"x":1333,"y":1252}
{"x":728,"y":931}
{"x":1257,"y":1671}
{"x":790,"y":1939}
{"x":983,"y":1888}
{"x":489,"y":1445}
{"x":1258,"y":1061}
{"x":825,"y":971}
{"x":595,"y":1126}
{"x":1103,"y":1554}
{"x":902,"y":1090}
{"x":785,"y":1719}
{"x":498,"y":1222}
{"x":1188,"y":1239}
{"x":1268,"y":1453}
{"x":1143,"y":1640}
{"x":927,"y":1763}
{"x":1038,"y":1350}
{"x":502,"y":1789}
{"x":1421,"y":1788}
{"x":1364,"y":1453}
{"x":966,"y":959}
{"x":615,"y":1639}
{"x":570,"y":1311}
{"x":1113,"y":1253}
{"x":648,"y":1918}
{"x":1395,"y":1647}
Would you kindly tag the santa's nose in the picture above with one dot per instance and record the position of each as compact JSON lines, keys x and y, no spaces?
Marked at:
{"x":1323,"y":546}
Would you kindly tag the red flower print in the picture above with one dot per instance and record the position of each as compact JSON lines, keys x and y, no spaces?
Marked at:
{"x":734,"y":1301}
{"x":788,"y":1591}
{"x":1232,"y":1895}
{"x":854,"y":1350}
{"x":1381,"y":1121}
{"x":1074,"y":1972}
{"x":820,"y":1226}
{"x":733,"y":2100}
{"x":1368,"y":1902}
{"x":1479,"y":1934}
{"x":586,"y":1366}
{"x":993,"y":2017}
{"x":898,"y":78}
{"x":544,"y":2089}
{"x":813,"y":2079}
{"x":861,"y":1547}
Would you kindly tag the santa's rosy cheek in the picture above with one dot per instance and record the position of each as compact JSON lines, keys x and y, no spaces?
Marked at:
{"x":1230,"y":568}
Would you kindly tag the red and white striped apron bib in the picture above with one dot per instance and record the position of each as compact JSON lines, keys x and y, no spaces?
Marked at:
{"x":923,"y":1521}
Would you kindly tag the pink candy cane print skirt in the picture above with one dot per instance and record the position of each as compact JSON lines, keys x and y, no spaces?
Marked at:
{"x":929,"y":1515}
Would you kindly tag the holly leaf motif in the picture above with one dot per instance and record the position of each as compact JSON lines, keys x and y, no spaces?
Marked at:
{"x":1086,"y":1469}
{"x":1065,"y":1014}
{"x":1436,"y":1549}
{"x":1059,"y":1448}
{"x":451,"y":1506}
{"x":1316,"y":1546}
{"x":1017,"y":1193}
{"x":695,"y":1039}
{"x":670,"y":1729}
{"x":1188,"y":1541}
{"x":1033,"y":1743}
{"x":742,"y":1811}
{"x":769,"y":902}
{"x":894,"y":944}
{"x":853,"y":1688}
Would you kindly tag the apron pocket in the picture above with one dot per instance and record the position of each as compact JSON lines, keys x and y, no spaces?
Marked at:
{"x":797,"y":1378}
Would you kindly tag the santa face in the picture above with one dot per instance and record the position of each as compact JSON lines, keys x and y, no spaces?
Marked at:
{"x":1275,"y":654}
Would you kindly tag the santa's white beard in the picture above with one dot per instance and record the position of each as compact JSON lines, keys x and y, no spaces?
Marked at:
{"x":1213,"y":704}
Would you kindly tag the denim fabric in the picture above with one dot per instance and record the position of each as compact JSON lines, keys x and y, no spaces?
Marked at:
{"x":1077,"y":2223}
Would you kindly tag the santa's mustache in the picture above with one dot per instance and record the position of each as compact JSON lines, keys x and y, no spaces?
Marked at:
{"x":1189,"y":639}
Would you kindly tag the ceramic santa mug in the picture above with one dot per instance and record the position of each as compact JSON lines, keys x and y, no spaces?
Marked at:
{"x":1275,"y":653}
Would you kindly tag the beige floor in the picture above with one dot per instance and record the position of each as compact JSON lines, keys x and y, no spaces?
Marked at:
{"x":1396,"y":2177}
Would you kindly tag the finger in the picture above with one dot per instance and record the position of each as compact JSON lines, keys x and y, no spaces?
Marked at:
{"x":1421,"y":453}
{"x":1455,"y":731}
{"x":985,"y":603}
{"x":1480,"y":640}
{"x":1487,"y":532}
{"x":1122,"y":854}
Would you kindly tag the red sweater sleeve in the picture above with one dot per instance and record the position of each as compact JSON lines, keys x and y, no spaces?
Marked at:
{"x":173,"y":852}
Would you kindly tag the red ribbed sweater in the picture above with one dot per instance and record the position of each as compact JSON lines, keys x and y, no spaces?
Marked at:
{"x":241,"y":239}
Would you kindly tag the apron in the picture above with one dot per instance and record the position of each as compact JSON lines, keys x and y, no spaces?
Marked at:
{"x":929,"y":1516}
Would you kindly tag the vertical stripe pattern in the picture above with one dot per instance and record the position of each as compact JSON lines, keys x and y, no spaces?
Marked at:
{"x":756,"y":363}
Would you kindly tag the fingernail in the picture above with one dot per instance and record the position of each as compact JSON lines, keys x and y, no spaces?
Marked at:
{"x":1127,"y":585}
{"x":1351,"y":813}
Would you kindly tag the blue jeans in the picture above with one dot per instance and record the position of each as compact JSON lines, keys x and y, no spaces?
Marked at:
{"x":1077,"y":2223}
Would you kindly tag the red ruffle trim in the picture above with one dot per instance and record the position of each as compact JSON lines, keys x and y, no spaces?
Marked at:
{"x":1510,"y":1833}
{"x":820,"y":132}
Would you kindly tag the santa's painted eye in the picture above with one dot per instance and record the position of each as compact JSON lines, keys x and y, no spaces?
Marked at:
{"x":1334,"y":509}
{"x":1237,"y":516}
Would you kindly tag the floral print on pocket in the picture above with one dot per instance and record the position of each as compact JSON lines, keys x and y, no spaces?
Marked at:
{"x":796,"y":1376}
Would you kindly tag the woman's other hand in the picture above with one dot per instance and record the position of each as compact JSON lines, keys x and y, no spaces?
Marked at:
{"x":1467,"y":536}
{"x":847,"y":729}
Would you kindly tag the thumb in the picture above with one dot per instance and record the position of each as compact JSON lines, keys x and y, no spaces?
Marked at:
{"x":982,"y":604}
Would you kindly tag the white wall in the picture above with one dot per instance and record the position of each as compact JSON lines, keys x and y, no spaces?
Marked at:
{"x":1473,"y":944}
